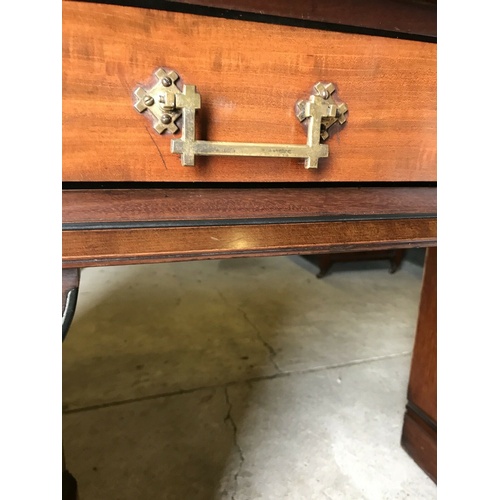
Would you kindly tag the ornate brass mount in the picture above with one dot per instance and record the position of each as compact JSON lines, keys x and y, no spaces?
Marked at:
{"x":167,"y":103}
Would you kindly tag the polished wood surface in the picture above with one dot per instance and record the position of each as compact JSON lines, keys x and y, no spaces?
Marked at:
{"x":420,"y":425}
{"x":135,"y":206}
{"x":390,"y":15}
{"x":106,"y":227}
{"x":86,"y":248}
{"x":417,"y":18}
{"x":250,"y":76}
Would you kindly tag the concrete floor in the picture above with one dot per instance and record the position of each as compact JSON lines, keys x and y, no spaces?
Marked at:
{"x":242,"y":379}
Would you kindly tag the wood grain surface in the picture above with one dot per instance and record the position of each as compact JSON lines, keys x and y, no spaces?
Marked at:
{"x":87,"y":248}
{"x":205,"y":204}
{"x":398,"y":16}
{"x":391,"y":15}
{"x":250,"y":76}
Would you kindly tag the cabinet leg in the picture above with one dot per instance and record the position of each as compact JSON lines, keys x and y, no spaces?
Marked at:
{"x":70,"y":284}
{"x":396,"y":260}
{"x":325,"y":262}
{"x":419,"y":437}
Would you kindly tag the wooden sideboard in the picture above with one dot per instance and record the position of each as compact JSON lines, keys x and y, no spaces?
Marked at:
{"x":127,"y":198}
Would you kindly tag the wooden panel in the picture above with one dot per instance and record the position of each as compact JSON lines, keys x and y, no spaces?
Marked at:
{"x":85,"y":248}
{"x":392,"y":15}
{"x":398,"y":16}
{"x":204,"y":204}
{"x":250,"y":76}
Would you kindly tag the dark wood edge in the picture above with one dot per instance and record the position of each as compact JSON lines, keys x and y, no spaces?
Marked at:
{"x":419,"y":440}
{"x":391,"y":18}
{"x":162,"y":207}
{"x":429,"y":421}
{"x":152,"y":224}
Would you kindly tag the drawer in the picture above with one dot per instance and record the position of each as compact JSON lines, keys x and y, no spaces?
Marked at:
{"x":250,"y":76}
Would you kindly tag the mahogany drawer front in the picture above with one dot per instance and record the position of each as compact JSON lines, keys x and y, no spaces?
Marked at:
{"x":249,"y":76}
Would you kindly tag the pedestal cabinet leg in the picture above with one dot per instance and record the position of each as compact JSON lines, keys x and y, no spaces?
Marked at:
{"x":70,"y":283}
{"x":419,"y":436}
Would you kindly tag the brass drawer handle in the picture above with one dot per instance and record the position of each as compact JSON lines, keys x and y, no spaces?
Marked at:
{"x":167,"y":104}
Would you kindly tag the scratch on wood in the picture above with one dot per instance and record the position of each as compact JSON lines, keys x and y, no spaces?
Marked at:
{"x":157,"y":148}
